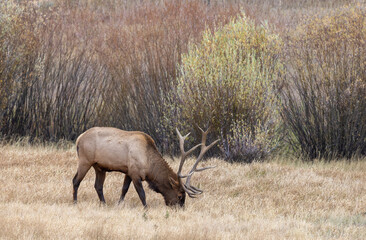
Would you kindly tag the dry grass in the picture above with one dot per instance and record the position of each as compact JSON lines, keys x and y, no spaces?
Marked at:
{"x":275,"y":200}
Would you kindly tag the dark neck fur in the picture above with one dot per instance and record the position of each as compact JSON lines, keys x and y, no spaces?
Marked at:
{"x":159,"y":173}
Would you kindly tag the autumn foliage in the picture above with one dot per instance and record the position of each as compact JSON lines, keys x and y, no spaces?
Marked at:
{"x":266,"y":75}
{"x":325,"y":96}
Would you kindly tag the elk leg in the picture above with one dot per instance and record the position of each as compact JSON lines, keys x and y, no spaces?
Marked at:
{"x":126,"y":185}
{"x":79,"y":176}
{"x":99,"y":181}
{"x":140,"y":190}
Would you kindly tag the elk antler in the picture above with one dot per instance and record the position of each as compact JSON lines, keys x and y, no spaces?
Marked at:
{"x":190,"y":190}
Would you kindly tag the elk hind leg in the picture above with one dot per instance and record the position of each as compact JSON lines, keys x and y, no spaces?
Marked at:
{"x":79,"y":176}
{"x":126,"y":185}
{"x":99,"y":182}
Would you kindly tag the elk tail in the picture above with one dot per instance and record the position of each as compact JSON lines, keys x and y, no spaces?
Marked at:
{"x":77,"y":143}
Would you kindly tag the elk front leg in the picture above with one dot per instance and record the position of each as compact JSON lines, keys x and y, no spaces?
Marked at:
{"x":126,"y":185}
{"x":140,"y":190}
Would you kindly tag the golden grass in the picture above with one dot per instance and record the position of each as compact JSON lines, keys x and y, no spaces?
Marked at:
{"x":274,"y":200}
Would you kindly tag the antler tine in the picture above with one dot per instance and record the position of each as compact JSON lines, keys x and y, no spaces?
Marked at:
{"x":181,"y":140}
{"x":198,"y":191}
{"x":201,"y":169}
{"x":204,"y":149}
{"x":190,"y":194}
{"x":184,"y":153}
{"x":191,"y":191}
{"x":194,"y":189}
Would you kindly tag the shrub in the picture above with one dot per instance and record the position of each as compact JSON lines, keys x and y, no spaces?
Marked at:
{"x":325,"y":98}
{"x":227,"y":81}
{"x":48,"y":77}
{"x":18,"y":47}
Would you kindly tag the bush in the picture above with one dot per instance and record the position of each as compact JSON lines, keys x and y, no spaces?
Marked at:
{"x":17,"y":43}
{"x":227,"y":81}
{"x":325,"y":98}
{"x":48,"y":77}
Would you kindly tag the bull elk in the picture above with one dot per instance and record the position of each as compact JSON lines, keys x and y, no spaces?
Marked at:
{"x":135,"y":154}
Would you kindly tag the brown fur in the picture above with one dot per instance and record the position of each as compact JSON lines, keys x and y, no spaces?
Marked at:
{"x":133,"y":153}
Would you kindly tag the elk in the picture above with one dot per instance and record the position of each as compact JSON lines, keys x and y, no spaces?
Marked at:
{"x":135,"y":154}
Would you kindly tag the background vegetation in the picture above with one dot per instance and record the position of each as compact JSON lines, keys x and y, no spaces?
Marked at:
{"x":266,"y":75}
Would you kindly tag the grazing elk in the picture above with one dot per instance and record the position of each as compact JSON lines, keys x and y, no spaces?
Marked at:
{"x":135,"y":154}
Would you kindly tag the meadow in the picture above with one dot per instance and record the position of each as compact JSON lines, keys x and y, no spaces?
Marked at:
{"x":278,"y":199}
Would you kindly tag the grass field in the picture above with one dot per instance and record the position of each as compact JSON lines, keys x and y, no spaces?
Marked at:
{"x":279,"y":199}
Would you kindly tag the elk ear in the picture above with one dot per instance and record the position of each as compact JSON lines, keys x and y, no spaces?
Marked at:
{"x":173,"y":182}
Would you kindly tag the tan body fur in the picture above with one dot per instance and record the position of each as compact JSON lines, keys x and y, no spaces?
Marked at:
{"x":115,"y":150}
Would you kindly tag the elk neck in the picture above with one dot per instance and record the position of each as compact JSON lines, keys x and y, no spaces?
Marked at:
{"x":160,"y":173}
